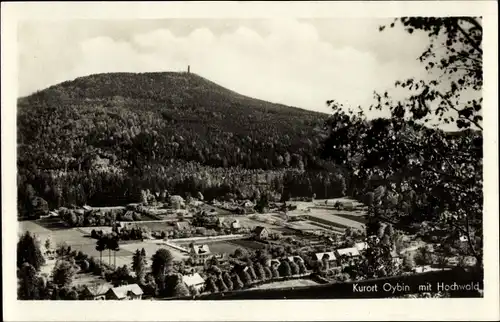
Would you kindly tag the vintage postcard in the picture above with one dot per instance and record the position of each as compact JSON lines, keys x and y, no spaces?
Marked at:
{"x":250,"y":161}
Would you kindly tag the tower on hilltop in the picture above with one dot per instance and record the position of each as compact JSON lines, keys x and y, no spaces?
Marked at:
{"x":189,"y":69}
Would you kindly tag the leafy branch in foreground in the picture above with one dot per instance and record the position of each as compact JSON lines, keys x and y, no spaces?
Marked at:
{"x":425,"y":174}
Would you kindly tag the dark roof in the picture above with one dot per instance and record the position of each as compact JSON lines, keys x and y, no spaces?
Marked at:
{"x":259,"y":229}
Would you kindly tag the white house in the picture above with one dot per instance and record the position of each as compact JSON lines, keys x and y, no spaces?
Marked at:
{"x":348,"y":252}
{"x":194,"y":280}
{"x":199,"y":253}
{"x":329,"y":256}
{"x":361,"y":246}
{"x":125,"y":292}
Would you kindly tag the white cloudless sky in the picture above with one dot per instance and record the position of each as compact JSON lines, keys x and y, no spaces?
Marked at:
{"x":301,"y":63}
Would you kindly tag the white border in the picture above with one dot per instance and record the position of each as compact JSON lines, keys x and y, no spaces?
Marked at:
{"x":423,"y":309}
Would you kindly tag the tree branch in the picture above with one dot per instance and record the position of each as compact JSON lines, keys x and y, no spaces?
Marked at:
{"x":469,"y":39}
{"x":455,"y":109}
{"x":474,"y":22}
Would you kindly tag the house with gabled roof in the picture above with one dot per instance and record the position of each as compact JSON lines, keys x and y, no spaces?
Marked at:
{"x":125,"y":292}
{"x":193,"y":280}
{"x":326,"y":256}
{"x":361,"y":246}
{"x":182,"y":225}
{"x":199,"y":253}
{"x":348,"y":252}
{"x":261,"y":233}
{"x":95,"y":292}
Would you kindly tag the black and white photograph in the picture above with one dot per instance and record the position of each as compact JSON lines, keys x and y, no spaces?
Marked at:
{"x":296,"y":157}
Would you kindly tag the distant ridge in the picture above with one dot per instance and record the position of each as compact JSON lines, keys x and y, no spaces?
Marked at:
{"x":114,"y":83}
{"x":182,"y":115}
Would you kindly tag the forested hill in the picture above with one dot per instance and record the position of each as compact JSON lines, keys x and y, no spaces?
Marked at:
{"x":100,"y":138}
{"x":156,"y":116}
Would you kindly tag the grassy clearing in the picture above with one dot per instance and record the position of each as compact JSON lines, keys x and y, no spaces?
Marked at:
{"x":361,"y":218}
{"x":335,"y":220}
{"x":246,"y":243}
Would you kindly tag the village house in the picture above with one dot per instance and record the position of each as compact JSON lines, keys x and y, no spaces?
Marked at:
{"x":87,"y":208}
{"x":95,"y":292}
{"x":361,"y":246}
{"x":260,"y":233}
{"x":194,"y":280}
{"x":347,"y":256}
{"x":183,"y":225}
{"x":199,"y":253}
{"x":327,"y":256}
{"x":125,"y":292}
{"x":235,"y":226}
{"x":350,"y":252}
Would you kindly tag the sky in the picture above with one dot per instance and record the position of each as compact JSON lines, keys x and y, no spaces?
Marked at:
{"x":301,"y":63}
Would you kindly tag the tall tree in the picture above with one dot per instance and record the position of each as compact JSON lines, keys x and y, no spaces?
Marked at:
{"x":28,"y":251}
{"x":428,"y":174}
{"x":227,"y":280}
{"x":237,"y":283}
{"x":284,"y":269}
{"x":114,"y":245}
{"x":139,"y":266}
{"x":162,"y":262}
{"x":28,"y":287}
{"x":101,"y":245}
{"x":211,"y":285}
{"x":63,"y":273}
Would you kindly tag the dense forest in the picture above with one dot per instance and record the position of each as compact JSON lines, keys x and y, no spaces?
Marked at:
{"x":100,"y":139}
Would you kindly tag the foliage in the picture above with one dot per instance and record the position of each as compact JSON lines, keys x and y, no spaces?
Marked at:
{"x":211,"y":285}
{"x":237,"y":283}
{"x":63,"y":273}
{"x":423,"y":256}
{"x":180,"y":288}
{"x":139,"y":265}
{"x":274,"y":272}
{"x":227,"y":280}
{"x":30,"y":286}
{"x":294,"y":268}
{"x":161,"y":263}
{"x":28,"y":251}
{"x":101,"y":139}
{"x":426,"y":174}
{"x":259,"y":271}
{"x":284,"y":269}
{"x":408,"y":263}
{"x":120,"y":276}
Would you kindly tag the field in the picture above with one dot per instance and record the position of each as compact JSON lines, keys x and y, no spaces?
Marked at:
{"x":327,"y":216}
{"x":247,"y":222}
{"x":78,"y":240}
{"x":286,"y":284}
{"x":361,"y":218}
{"x":229,"y":246}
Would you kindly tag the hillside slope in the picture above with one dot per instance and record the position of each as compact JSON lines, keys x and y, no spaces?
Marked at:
{"x":141,"y":117}
{"x":100,"y":139}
